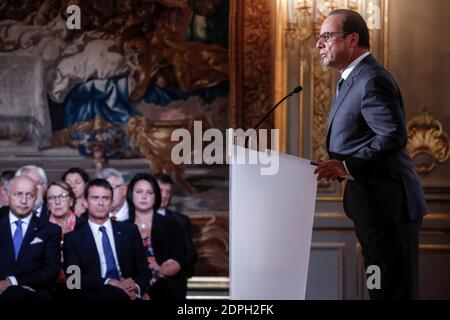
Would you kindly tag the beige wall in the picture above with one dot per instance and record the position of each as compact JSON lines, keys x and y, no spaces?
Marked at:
{"x":419,"y":55}
{"x":419,"y":58}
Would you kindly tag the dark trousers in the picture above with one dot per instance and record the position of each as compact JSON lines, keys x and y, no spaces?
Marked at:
{"x":166,"y":289}
{"x":17,"y":293}
{"x":394,"y":248}
{"x":103,"y":293}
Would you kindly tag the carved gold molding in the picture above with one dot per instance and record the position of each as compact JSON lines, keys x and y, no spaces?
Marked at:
{"x":322,"y":92}
{"x":428,"y":144}
{"x":251,"y":61}
{"x":209,"y":283}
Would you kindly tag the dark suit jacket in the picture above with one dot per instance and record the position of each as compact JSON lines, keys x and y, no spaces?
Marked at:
{"x":185,"y":222}
{"x":38,"y":264}
{"x":366,"y":128}
{"x":80,"y":249}
{"x":167,"y":239}
{"x":4,"y":211}
{"x":44,"y":213}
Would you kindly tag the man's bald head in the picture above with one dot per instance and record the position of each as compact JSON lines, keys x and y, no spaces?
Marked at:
{"x":22,"y":192}
{"x":38,"y":175}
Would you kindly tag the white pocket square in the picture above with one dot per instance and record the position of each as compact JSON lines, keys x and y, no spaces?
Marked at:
{"x":36,"y":240}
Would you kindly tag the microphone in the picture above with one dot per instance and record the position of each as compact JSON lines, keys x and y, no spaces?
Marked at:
{"x":296,"y":90}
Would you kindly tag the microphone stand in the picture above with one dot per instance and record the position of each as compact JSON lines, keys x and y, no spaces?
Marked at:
{"x":296,"y":90}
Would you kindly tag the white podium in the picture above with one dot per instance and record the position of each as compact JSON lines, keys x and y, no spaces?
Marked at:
{"x":271,"y":220}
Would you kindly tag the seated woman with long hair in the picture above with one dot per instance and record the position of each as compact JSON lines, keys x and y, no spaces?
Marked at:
{"x":162,"y":237}
{"x":60,"y":200}
{"x":77,"y":179}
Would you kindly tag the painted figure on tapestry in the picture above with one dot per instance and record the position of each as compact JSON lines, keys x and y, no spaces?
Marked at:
{"x":131,"y":59}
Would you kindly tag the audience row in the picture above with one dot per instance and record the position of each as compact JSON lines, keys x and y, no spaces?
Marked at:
{"x":100,"y":239}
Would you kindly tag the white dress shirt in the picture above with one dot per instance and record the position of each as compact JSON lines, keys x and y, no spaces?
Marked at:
{"x":122,"y":214}
{"x":38,"y":210}
{"x":162,"y":211}
{"x":25,"y":224}
{"x":95,"y":228}
{"x":352,"y":65}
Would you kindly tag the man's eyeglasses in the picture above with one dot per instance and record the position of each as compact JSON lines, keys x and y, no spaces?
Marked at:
{"x":327,"y":35}
{"x":61,"y":197}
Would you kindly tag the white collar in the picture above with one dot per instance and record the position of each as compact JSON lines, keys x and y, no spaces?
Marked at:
{"x":352,"y":65}
{"x":95,"y":227}
{"x":123,"y":208}
{"x":13,"y":218}
{"x":162,"y":211}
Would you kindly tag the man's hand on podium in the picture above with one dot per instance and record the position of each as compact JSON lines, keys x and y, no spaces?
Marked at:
{"x":331,"y":170}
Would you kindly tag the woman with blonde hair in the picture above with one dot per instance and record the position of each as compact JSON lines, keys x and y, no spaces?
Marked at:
{"x":60,"y":202}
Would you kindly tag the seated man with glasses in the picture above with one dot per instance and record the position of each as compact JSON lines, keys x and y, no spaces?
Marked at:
{"x":29,"y":246}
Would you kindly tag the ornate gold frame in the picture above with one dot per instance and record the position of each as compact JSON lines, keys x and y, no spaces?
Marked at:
{"x":251,"y":80}
{"x":427,"y":141}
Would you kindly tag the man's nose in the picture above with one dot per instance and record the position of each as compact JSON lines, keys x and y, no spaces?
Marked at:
{"x":319,"y":44}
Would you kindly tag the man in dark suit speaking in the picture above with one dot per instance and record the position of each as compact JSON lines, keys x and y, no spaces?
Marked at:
{"x":366,"y":141}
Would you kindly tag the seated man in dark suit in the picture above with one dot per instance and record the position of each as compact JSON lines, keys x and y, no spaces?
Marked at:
{"x":165,"y":184}
{"x":29,"y":247}
{"x":110,"y":254}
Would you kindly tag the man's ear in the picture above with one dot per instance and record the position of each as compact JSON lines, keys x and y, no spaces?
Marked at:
{"x":354,"y":39}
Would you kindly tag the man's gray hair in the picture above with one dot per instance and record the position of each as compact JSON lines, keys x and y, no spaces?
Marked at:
{"x":30,"y":167}
{"x":111,"y":172}
{"x":10,"y":182}
{"x":8,"y":187}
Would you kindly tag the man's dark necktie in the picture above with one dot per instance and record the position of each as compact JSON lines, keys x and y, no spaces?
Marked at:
{"x":339,"y":86}
{"x":111,"y":268}
{"x":18,"y":238}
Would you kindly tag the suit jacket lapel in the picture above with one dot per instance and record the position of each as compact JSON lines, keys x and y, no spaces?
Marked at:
{"x":118,"y":242}
{"x":6,"y":238}
{"x":337,"y":102}
{"x":348,"y":83}
{"x":90,"y":247}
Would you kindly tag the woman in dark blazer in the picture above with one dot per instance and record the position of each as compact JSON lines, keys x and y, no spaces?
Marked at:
{"x":162,"y":237}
